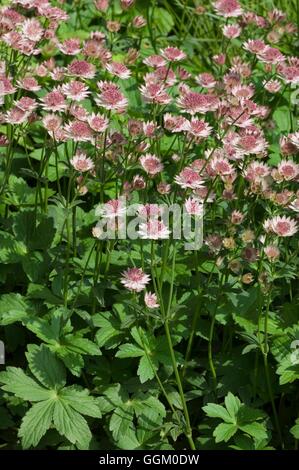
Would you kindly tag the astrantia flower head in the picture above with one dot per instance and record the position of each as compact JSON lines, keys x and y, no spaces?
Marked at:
{"x":70,"y":46}
{"x":118,"y":69}
{"x":189,"y":178}
{"x":173,"y":54}
{"x":75,"y":90}
{"x":151,"y":164}
{"x":206,"y":80}
{"x":82,"y":163}
{"x":79,"y":131}
{"x":232,"y":31}
{"x":155,"y":61}
{"x":82,"y":69}
{"x":271,"y":55}
{"x":112,"y":209}
{"x":153,"y":229}
{"x":111,"y":97}
{"x":98,"y":122}
{"x":255,"y":46}
{"x":194,"y":206}
{"x":272,"y":86}
{"x":155,"y":93}
{"x":31,"y":29}
{"x":272,"y":252}
{"x":150,"y":300}
{"x":52,"y":122}
{"x":193,"y":102}
{"x":29,"y":84}
{"x":135,"y":279}
{"x":282,"y":226}
{"x":288,"y":170}
{"x":228,"y":8}
{"x":199,"y":128}
{"x":54,"y":101}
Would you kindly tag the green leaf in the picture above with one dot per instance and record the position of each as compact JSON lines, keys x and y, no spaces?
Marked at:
{"x":217,"y":411}
{"x":80,"y":345}
{"x":109,"y":333}
{"x":46,"y":367}
{"x":282,"y":118}
{"x":129,"y":350}
{"x":232,"y":404}
{"x":13,"y":308}
{"x":256,"y":430}
{"x":121,"y":420}
{"x":17,"y":382}
{"x":11,"y":250}
{"x":36,"y":422}
{"x":81,"y":401}
{"x":146,"y":369}
{"x":71,"y":424}
{"x":224,"y":432}
{"x":295,"y":430}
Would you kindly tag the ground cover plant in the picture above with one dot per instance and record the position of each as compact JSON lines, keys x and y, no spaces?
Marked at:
{"x":123,"y":329}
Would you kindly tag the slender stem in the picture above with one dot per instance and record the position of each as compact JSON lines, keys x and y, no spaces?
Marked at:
{"x":267,"y":373}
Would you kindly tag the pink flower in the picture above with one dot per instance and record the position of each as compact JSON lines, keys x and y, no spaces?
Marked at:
{"x":255,"y":46}
{"x":82,"y":163}
{"x":256,"y":171}
{"x":119,"y":70}
{"x":236,"y":217}
{"x":98,"y":122}
{"x":6,"y":87}
{"x":125,"y":4}
{"x":149,"y":128}
{"x":232,"y":31}
{"x":228,"y":8}
{"x":82,"y":69}
{"x":29,"y":83}
{"x":176,"y":123}
{"x":112,"y":209}
{"x":26,"y":104}
{"x":155,"y":61}
{"x":173,"y":54}
{"x":271,"y":55}
{"x":151,"y":164}
{"x":16,"y":115}
{"x":75,"y":90}
{"x":189,"y":178}
{"x":281,"y":225}
{"x":101,"y":5}
{"x":194,"y":206}
{"x":138,"y":182}
{"x":206,"y":80}
{"x":70,"y":46}
{"x":54,"y":101}
{"x":272,"y":252}
{"x":52,"y":123}
{"x":249,"y":144}
{"x":79,"y":131}
{"x":153,"y":229}
{"x":193,"y":102}
{"x":111,"y":97}
{"x":135,"y":279}
{"x":288,"y":170}
{"x":138,"y":22}
{"x":155,"y":93}
{"x":150,"y":300}
{"x":272,"y":86}
{"x":31,"y":29}
{"x":199,"y":128}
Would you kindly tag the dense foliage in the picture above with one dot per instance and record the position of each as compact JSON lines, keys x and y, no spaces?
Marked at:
{"x":145,"y":342}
